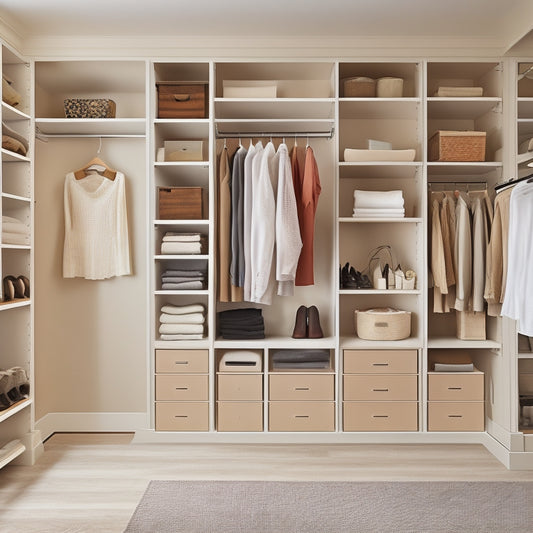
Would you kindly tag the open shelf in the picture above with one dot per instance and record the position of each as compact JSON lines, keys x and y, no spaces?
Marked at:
{"x":379,"y":108}
{"x":461,"y":108}
{"x":354,"y":343}
{"x":8,"y":156}
{"x":452,"y":342}
{"x":278,"y":342}
{"x":14,"y":409}
{"x":12,"y":113}
{"x":404,"y":220}
{"x":124,"y":127}
{"x":10,"y":452}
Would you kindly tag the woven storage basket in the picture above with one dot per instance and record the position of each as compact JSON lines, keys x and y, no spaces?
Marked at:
{"x":457,"y":146}
{"x":89,"y":108}
{"x":359,"y":87}
{"x":383,"y":324}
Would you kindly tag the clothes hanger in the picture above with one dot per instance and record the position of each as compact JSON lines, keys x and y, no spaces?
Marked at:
{"x":98,"y":165}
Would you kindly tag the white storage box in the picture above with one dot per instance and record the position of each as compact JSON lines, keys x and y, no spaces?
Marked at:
{"x":183,"y":150}
{"x":389,"y":87}
{"x":241,"y":361}
{"x":249,"y":89}
{"x":383,"y":324}
{"x":357,"y":154}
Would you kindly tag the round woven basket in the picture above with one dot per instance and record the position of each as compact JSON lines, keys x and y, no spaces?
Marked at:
{"x":383,"y":324}
{"x":359,"y":87}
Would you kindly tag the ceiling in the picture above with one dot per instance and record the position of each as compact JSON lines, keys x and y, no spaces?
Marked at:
{"x":502,"y":22}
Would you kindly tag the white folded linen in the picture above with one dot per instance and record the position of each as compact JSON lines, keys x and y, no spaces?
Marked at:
{"x":6,"y":219}
{"x":378,"y":199}
{"x":182,"y":337}
{"x":181,"y":247}
{"x":459,"y":92}
{"x":376,"y":213}
{"x":358,"y":154}
{"x":174,"y":329}
{"x":15,"y":227}
{"x":15,"y":238}
{"x":189,"y":318}
{"x":182,"y":237}
{"x":182,"y":309}
{"x":184,"y":286}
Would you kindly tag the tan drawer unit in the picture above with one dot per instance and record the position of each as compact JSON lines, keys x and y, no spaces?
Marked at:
{"x":188,"y":388}
{"x":239,"y":416}
{"x":301,"y":416}
{"x":380,"y":362}
{"x":239,"y":387}
{"x":181,"y":361}
{"x":380,"y":416}
{"x":301,"y":387}
{"x":456,"y":416}
{"x":455,"y":387}
{"x":182,"y":416}
{"x":380,"y":388}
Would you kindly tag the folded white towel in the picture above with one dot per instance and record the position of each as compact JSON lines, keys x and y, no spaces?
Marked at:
{"x":181,"y":247}
{"x":182,"y":309}
{"x":182,"y":337}
{"x":15,"y":227}
{"x":15,"y":238}
{"x":190,"y":318}
{"x":183,"y":237}
{"x":378,"y":199}
{"x":370,"y":210}
{"x":174,"y":329}
{"x":379,"y":213}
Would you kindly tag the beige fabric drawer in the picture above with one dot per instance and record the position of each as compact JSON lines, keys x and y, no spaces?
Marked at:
{"x":458,"y":387}
{"x":240,"y":387}
{"x":301,"y":416}
{"x":380,"y":362}
{"x":182,"y":416}
{"x":380,"y":388}
{"x":182,"y":361}
{"x":380,"y":416}
{"x":301,"y":387}
{"x":456,"y":416}
{"x":187,"y":388}
{"x":239,"y":416}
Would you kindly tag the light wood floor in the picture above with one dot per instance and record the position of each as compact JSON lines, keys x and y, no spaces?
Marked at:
{"x":93,"y":482}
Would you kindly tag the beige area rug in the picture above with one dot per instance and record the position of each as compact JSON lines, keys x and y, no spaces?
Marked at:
{"x":333,"y":507}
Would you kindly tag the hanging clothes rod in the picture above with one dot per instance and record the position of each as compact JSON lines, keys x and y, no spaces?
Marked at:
{"x":512,"y":182}
{"x":456,"y":184}
{"x":44,"y":136}
{"x":248,"y":134}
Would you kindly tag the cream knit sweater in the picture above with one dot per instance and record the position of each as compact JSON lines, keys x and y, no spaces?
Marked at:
{"x":96,"y":227}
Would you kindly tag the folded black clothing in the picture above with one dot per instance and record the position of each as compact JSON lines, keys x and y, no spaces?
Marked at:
{"x":247,"y":312}
{"x":253,"y":329}
{"x":237,"y":336}
{"x":297,"y":356}
{"x":239,"y":323}
{"x":303,"y":364}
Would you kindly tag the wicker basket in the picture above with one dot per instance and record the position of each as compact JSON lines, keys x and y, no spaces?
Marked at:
{"x":457,"y":146}
{"x":383,"y":324}
{"x":89,"y":108}
{"x":359,"y":87}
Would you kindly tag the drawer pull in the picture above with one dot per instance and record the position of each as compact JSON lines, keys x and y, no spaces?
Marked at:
{"x":182,"y":97}
{"x":301,"y":416}
{"x":455,"y":388}
{"x":181,"y":416}
{"x":380,"y":364}
{"x":380,"y":416}
{"x":301,"y":388}
{"x":455,"y":416}
{"x":182,"y":388}
{"x":380,"y":390}
{"x":181,"y":362}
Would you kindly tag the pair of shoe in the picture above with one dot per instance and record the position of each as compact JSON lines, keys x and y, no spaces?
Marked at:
{"x":14,"y":386}
{"x":307,"y":324}
{"x":16,"y":288}
{"x":353,"y":279}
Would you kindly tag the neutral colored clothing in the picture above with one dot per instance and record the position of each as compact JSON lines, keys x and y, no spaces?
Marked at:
{"x":179,"y":248}
{"x":182,"y":309}
{"x":224,"y":227}
{"x":310,"y":192}
{"x":189,"y":318}
{"x":378,"y":199}
{"x":237,"y":219}
{"x":247,"y":216}
{"x":288,"y":239}
{"x":175,"y":329}
{"x":438,"y":265}
{"x":463,"y":255}
{"x":517,"y":301}
{"x":96,"y":242}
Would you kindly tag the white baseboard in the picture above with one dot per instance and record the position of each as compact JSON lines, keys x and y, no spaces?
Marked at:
{"x":90,"y":423}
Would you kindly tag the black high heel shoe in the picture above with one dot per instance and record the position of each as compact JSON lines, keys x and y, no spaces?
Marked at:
{"x":348,"y":280}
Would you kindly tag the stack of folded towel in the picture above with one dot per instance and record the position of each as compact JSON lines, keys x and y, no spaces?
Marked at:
{"x":300,"y":359}
{"x":14,"y":231}
{"x":183,"y":280}
{"x":378,"y":204}
{"x":13,"y":141}
{"x":241,"y":324}
{"x":182,"y":322}
{"x":182,"y":243}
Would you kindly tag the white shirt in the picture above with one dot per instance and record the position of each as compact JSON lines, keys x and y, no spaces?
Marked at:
{"x":518,"y":300}
{"x":247,"y":215}
{"x":463,"y":255}
{"x":96,"y":242}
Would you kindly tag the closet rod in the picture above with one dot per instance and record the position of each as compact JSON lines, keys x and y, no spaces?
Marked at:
{"x":88,"y":135}
{"x":248,"y":134}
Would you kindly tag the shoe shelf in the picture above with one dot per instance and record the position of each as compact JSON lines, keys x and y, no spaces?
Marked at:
{"x":11,"y":113}
{"x":15,"y":246}
{"x":13,"y":304}
{"x":278,"y":342}
{"x":14,"y":409}
{"x":10,"y":452}
{"x":9,"y":156}
{"x":15,"y":197}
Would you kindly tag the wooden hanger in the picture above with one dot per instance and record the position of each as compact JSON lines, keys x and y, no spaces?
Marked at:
{"x":96,"y":164}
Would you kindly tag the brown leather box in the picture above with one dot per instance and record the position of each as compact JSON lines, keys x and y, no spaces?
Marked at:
{"x":182,"y":99}
{"x":180,"y":203}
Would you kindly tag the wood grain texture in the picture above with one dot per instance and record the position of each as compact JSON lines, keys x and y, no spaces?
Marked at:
{"x":93,"y":482}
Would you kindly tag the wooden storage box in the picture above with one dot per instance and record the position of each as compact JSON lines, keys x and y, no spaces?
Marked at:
{"x":182,"y":99}
{"x":180,"y":203}
{"x":182,"y":416}
{"x":380,"y":361}
{"x":470,"y":325}
{"x":457,"y":146}
{"x":301,"y":416}
{"x":301,"y":387}
{"x":380,"y":416}
{"x":456,"y":416}
{"x":240,"y":387}
{"x":368,"y":388}
{"x":182,"y":361}
{"x":456,"y":386}
{"x":239,"y":416}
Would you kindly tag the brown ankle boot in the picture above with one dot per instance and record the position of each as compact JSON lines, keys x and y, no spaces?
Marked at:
{"x":314,"y":331}
{"x":300,"y":325}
